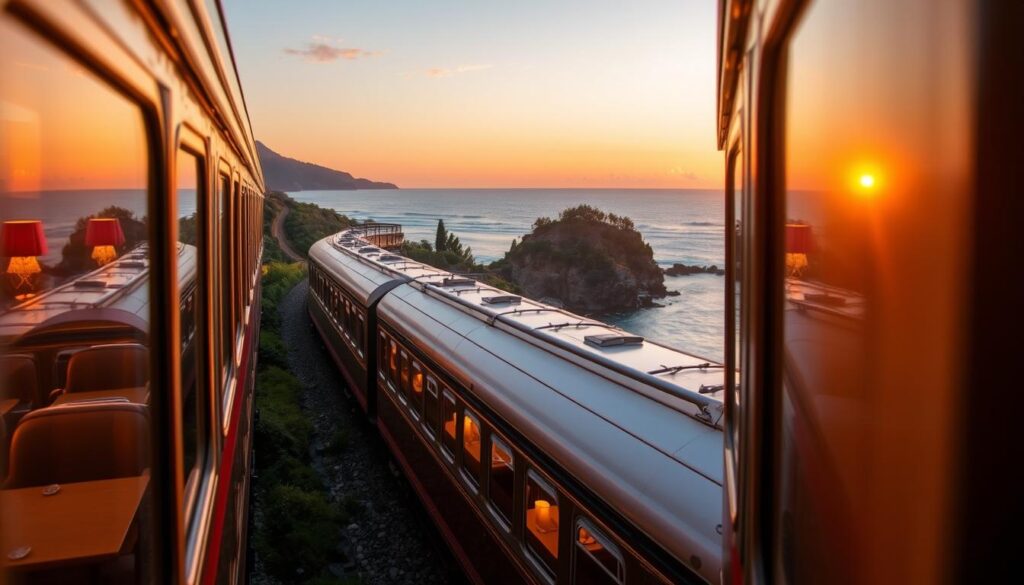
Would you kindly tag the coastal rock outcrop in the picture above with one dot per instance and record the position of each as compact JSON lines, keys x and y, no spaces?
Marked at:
{"x":589,"y":260}
{"x":687,"y":269}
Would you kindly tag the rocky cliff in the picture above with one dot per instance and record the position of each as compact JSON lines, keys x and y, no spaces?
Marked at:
{"x":587,"y":260}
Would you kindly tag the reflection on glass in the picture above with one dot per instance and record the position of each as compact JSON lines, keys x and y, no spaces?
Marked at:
{"x":450,"y":415}
{"x":192,"y":399}
{"x":74,"y":313}
{"x":595,"y":562}
{"x":541,"y":521}
{"x":502,"y":475}
{"x":471,"y":447}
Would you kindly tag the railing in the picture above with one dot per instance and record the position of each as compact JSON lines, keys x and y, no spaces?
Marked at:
{"x":382,"y":235}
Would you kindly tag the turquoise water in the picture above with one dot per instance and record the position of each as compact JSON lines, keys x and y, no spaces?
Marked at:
{"x":680,"y":225}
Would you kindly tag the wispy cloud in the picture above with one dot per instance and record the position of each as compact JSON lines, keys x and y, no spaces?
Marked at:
{"x":450,"y":71}
{"x":325,"y":50}
{"x":679,"y":171}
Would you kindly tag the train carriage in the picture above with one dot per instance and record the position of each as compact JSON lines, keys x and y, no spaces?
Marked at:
{"x":130,"y":211}
{"x":542,"y":457}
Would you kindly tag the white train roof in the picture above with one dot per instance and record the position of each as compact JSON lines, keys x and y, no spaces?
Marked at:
{"x":688,"y":383}
{"x":122,"y":284}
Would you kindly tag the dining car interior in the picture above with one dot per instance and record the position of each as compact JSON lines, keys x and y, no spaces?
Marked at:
{"x":130,"y":214}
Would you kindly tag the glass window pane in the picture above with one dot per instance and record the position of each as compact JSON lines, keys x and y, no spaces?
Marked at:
{"x":899,"y":143}
{"x":75,"y":300}
{"x":597,"y":560}
{"x":416,"y":387}
{"x":431,"y":416}
{"x":224,"y":282}
{"x":450,"y":415}
{"x":404,"y":376}
{"x":471,"y":435}
{"x":541,"y":521}
{"x":501,"y":478}
{"x":393,"y":365}
{"x":193,"y":401}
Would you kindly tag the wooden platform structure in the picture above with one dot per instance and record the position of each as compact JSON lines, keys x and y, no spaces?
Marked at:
{"x":383,"y":235}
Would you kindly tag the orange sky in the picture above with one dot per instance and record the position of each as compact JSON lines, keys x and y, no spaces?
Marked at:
{"x":592,"y":93}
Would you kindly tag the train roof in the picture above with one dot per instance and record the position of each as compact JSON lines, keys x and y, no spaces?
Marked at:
{"x":121,"y":284}
{"x":685,"y":382}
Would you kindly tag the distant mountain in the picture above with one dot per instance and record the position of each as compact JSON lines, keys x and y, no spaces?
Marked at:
{"x":287,"y":174}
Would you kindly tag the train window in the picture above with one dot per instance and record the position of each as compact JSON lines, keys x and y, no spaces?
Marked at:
{"x":224,"y":285}
{"x":404,"y":377}
{"x":192,"y":398}
{"x":360,"y":333}
{"x":450,"y":414}
{"x":237,"y":260}
{"x":393,"y":365}
{"x":595,"y":559}
{"x":382,"y":359}
{"x":500,"y":480}
{"x":430,"y":407}
{"x":75,"y":279}
{"x":416,"y":386}
{"x":736,"y":216}
{"x":541,"y":521}
{"x":871,"y":131}
{"x":471,"y":437}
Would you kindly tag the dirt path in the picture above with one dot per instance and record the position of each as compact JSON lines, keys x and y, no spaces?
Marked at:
{"x":390,"y":539}
{"x":277,"y":229}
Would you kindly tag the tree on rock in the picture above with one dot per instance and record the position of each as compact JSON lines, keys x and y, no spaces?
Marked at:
{"x":441,"y":238}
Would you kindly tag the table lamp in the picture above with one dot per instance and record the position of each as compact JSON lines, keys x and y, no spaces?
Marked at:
{"x":23,"y":241}
{"x":103,"y":233}
{"x":799,"y":243}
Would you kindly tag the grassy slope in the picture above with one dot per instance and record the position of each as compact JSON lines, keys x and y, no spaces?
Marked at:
{"x":298,"y":531}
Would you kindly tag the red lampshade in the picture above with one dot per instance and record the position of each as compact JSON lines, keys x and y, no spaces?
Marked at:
{"x":22,"y":238}
{"x":799,"y":239}
{"x":104,"y":231}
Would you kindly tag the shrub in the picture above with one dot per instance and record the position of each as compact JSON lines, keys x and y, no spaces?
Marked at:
{"x":300,"y":532}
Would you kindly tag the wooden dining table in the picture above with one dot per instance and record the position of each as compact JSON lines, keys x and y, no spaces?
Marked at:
{"x":84,"y":522}
{"x":137,"y":395}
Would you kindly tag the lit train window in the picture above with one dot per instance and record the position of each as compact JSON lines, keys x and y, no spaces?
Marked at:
{"x":393,"y":365}
{"x":74,"y":283}
{"x":382,"y":359}
{"x":450,"y":415}
{"x":595,"y":559}
{"x":501,"y":480}
{"x":430,"y":407}
{"x":416,"y":388}
{"x":193,"y":397}
{"x":404,"y":376}
{"x":541,"y":521}
{"x":471,"y":438}
{"x":874,"y":128}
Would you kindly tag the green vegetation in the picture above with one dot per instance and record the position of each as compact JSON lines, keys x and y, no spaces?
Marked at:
{"x":570,"y":241}
{"x":307,"y":223}
{"x":448,"y":253}
{"x":300,"y":526}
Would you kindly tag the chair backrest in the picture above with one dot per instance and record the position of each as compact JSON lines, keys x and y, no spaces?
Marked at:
{"x":108,"y":367}
{"x":18,"y":378}
{"x":79,"y":442}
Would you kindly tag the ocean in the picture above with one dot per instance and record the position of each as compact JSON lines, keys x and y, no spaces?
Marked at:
{"x":686,"y":226}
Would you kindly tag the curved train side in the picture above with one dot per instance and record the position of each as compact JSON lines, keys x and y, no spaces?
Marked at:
{"x":541,"y":457}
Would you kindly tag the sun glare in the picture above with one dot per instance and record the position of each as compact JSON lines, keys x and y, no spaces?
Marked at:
{"x":867,"y":180}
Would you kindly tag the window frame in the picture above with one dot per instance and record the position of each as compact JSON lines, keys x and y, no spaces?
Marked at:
{"x":608,"y":543}
{"x":504,"y":522}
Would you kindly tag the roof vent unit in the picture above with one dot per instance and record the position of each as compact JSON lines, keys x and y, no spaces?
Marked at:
{"x":368,"y":250}
{"x":458,"y":281}
{"x":389,"y":258}
{"x":502,"y":300}
{"x":613,"y":339}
